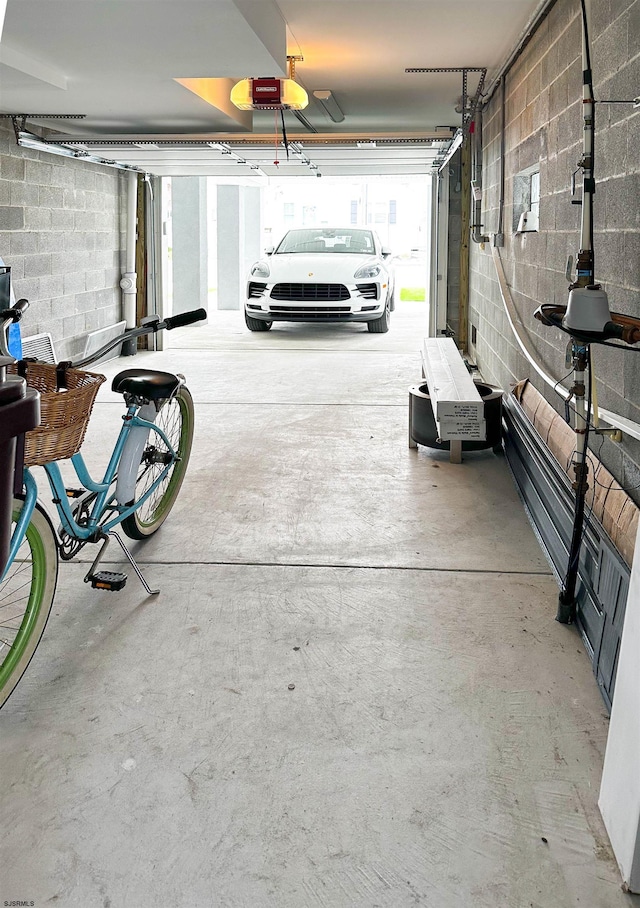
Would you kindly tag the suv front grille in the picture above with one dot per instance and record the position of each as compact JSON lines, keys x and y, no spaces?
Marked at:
{"x":315,"y":311}
{"x":304,"y":292}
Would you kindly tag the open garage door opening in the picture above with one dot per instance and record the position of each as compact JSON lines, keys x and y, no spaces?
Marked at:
{"x":214,"y":231}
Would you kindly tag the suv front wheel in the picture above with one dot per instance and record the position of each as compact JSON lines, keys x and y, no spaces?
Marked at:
{"x":256,"y":324}
{"x":381,"y":325}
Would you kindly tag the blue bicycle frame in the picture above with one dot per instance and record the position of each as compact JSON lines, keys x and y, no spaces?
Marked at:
{"x":104,"y":500}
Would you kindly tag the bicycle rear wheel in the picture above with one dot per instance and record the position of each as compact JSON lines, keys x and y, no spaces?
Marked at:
{"x":26,"y":596}
{"x":176,"y":419}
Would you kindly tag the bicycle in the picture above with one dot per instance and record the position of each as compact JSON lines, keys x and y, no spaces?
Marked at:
{"x":137,"y":492}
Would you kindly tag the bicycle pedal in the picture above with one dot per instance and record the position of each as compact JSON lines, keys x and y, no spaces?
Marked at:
{"x":108,"y":580}
{"x":75,"y":493}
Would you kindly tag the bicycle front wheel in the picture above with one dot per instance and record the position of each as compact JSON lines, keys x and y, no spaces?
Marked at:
{"x":26,"y":596}
{"x":176,"y":419}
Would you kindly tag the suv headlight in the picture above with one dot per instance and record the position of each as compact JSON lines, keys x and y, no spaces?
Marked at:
{"x":260,"y":269}
{"x":371,"y":269}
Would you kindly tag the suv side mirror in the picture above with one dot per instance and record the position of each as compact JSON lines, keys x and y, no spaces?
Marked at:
{"x":269,"y":250}
{"x":386,"y":252}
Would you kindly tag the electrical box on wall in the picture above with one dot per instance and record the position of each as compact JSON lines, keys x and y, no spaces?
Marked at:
{"x":526,"y":200}
{"x":528,"y":222}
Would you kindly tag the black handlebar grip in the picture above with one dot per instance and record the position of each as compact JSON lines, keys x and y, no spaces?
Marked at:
{"x":185,"y":318}
{"x":16,"y":312}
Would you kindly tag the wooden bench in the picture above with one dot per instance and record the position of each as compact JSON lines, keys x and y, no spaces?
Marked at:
{"x":457,"y":406}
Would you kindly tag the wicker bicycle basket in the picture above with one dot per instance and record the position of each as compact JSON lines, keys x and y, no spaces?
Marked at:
{"x":64,"y":413}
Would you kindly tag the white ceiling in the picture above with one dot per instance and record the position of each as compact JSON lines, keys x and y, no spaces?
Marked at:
{"x":116,"y":62}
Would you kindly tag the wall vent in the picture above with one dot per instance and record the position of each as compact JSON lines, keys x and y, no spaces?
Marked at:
{"x":40,"y":347}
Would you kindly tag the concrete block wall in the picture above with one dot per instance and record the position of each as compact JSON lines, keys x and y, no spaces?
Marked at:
{"x":543,"y":125}
{"x":60,"y":234}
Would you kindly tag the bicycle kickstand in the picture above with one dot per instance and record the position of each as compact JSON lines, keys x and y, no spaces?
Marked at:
{"x":112,"y":580}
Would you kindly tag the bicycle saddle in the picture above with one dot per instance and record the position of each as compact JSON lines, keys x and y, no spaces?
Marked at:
{"x":145,"y":383}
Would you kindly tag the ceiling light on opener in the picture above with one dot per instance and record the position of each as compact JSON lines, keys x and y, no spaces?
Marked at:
{"x":327,"y":100}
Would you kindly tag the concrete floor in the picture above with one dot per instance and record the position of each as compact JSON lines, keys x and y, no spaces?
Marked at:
{"x":444,"y":740}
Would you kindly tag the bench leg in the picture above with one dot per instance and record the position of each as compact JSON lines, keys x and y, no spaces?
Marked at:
{"x":455,"y":451}
{"x":412,"y":443}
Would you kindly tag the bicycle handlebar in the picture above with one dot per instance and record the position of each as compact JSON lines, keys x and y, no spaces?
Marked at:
{"x":184,"y":318}
{"x":15,"y":313}
{"x":151,"y":327}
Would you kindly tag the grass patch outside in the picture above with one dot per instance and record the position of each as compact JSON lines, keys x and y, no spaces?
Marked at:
{"x":412,"y":294}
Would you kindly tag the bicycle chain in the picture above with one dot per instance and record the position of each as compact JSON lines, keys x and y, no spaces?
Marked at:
{"x":69,"y":545}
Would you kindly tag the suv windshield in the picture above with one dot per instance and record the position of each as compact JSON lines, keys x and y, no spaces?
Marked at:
{"x":317,"y":239}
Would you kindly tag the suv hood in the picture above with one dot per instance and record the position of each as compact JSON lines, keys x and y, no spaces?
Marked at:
{"x":331,"y":268}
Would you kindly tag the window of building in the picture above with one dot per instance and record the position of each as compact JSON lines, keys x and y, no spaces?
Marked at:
{"x":309,"y":214}
{"x":534,"y":206}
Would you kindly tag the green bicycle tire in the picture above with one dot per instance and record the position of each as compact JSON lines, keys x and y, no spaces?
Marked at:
{"x":176,"y":418}
{"x":26,"y":597}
